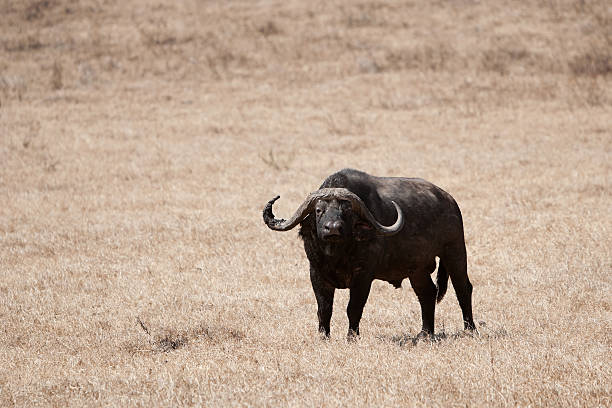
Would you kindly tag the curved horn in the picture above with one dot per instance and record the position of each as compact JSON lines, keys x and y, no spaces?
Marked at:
{"x":325,"y":193}
{"x":384,"y":230}
{"x":302,"y":212}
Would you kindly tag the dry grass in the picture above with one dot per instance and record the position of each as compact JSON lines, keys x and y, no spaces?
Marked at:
{"x":140,"y":141}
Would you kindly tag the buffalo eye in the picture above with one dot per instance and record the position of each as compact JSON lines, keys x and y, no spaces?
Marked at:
{"x":318,"y":211}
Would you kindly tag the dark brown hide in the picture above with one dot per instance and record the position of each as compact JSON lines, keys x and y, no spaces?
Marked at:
{"x":345,"y":250}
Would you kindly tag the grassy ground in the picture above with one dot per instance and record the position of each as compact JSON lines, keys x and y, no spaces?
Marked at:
{"x":139,"y":142}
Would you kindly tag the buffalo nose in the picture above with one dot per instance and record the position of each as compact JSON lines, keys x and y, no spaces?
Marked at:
{"x":333,"y":227}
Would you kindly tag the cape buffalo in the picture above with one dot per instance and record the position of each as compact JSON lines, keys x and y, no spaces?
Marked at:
{"x":357,"y":228}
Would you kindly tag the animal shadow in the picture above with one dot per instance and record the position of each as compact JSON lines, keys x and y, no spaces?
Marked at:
{"x":482,"y":332}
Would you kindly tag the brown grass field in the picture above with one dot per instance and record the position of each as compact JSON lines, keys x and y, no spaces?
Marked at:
{"x":139,"y":142}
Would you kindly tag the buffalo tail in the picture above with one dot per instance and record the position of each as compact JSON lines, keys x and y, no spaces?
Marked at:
{"x":441,"y":281}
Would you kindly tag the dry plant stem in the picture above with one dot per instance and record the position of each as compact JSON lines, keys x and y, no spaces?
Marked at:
{"x":146,"y":330}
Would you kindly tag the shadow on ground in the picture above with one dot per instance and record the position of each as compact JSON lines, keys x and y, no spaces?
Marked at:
{"x":412,"y":340}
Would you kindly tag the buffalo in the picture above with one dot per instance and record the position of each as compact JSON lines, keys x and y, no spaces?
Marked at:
{"x":358,"y":227}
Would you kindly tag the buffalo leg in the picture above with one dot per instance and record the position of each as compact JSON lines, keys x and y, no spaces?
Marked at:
{"x":360,"y":291}
{"x":456,"y":264}
{"x":325,"y":302}
{"x":426,"y":293}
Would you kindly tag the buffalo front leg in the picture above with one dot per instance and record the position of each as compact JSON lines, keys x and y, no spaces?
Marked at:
{"x":426,"y":293}
{"x":360,"y":291}
{"x":325,"y":301}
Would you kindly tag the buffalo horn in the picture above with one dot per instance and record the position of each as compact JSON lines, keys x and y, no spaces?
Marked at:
{"x":328,"y":193}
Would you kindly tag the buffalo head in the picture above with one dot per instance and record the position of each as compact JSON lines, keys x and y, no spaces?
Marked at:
{"x":337,"y":212}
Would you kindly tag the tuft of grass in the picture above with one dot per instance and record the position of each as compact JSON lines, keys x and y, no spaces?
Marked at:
{"x":426,"y":58}
{"x":270,"y":28}
{"x":56,"y":76}
{"x":12,"y":87}
{"x":165,"y":340}
{"x":35,"y":10}
{"x":277,"y":162}
{"x":23,"y":44}
{"x":593,"y":63}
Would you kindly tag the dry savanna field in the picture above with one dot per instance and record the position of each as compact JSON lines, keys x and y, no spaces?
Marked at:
{"x":140,"y":141}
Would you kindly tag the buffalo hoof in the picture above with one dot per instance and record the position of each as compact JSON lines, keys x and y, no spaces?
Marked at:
{"x":352,"y":336}
{"x":324,"y":335}
{"x":471,"y":332}
{"x":470,"y":326}
{"x":423,"y":336}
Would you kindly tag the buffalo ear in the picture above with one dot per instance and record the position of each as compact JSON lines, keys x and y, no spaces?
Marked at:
{"x":363,"y":231}
{"x":308,"y":228}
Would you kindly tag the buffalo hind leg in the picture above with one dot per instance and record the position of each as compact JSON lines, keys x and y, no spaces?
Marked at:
{"x":360,"y":290}
{"x":455,"y":262}
{"x":325,"y":302}
{"x":426,"y":292}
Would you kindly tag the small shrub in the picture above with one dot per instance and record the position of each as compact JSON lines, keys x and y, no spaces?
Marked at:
{"x":592,"y":63}
{"x":36,"y":9}
{"x":495,"y":61}
{"x":427,"y":58}
{"x":501,"y":59}
{"x":268,"y":29}
{"x":56,"y":76}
